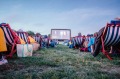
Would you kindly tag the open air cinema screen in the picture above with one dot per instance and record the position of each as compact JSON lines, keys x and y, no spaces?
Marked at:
{"x":60,"y":33}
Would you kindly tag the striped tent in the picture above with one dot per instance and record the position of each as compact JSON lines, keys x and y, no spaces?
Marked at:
{"x":11,"y":38}
{"x":110,"y":37}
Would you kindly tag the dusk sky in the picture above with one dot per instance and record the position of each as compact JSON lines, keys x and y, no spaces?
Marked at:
{"x":85,"y":16}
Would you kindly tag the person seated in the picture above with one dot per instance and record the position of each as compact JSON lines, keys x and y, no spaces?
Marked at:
{"x":45,"y":41}
{"x":85,"y":47}
{"x":52,"y":43}
{"x":32,"y":40}
{"x":115,"y":50}
{"x":98,"y":43}
{"x":91,"y":42}
{"x":84,"y":43}
{"x":83,"y":40}
{"x":70,"y":44}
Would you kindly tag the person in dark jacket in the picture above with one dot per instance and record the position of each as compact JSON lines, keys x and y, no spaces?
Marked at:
{"x":98,"y":43}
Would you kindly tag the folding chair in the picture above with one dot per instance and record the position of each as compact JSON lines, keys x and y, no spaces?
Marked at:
{"x":11,"y":38}
{"x":110,"y":37}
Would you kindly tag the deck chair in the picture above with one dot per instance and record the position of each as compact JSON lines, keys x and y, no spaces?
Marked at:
{"x":24,"y":36}
{"x":35,"y":44}
{"x":82,"y":43}
{"x":27,"y":47}
{"x":76,"y":39}
{"x":11,"y":38}
{"x":73,"y":41}
{"x":80,"y":38}
{"x":38,"y":39}
{"x":110,"y":37}
{"x":77,"y":42}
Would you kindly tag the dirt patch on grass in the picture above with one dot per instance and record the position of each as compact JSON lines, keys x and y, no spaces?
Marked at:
{"x":37,"y":54}
{"x":7,"y":67}
{"x":34,"y":69}
{"x":111,"y":69}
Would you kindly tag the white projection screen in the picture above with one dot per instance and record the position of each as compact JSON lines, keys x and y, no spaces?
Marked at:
{"x":60,"y":34}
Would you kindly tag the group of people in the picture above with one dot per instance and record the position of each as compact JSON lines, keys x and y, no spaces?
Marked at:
{"x":94,"y":44}
{"x":90,"y":43}
{"x":86,"y":42}
{"x":46,"y":42}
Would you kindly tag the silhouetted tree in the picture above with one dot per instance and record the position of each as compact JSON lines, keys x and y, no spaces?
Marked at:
{"x":79,"y":34}
{"x":49,"y":35}
{"x":38,"y":34}
{"x":31,"y":33}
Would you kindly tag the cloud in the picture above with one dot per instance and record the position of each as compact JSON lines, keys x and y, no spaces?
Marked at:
{"x":86,"y":20}
{"x":83,"y":20}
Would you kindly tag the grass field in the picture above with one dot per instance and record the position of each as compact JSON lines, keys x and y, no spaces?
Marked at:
{"x":61,"y":63}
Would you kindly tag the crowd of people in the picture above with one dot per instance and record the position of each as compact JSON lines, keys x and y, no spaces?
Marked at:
{"x":90,"y":43}
{"x":47,"y":42}
{"x":86,"y":43}
{"x":94,"y":43}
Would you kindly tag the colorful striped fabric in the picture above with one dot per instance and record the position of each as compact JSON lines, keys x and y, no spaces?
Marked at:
{"x":112,"y":37}
{"x":11,"y":38}
{"x":24,"y":36}
{"x":37,"y":39}
{"x":8,"y":36}
{"x":73,"y":41}
{"x":76,"y":39}
{"x":80,"y":39}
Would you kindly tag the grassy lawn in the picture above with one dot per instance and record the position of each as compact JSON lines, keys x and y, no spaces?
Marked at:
{"x":61,"y":63}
